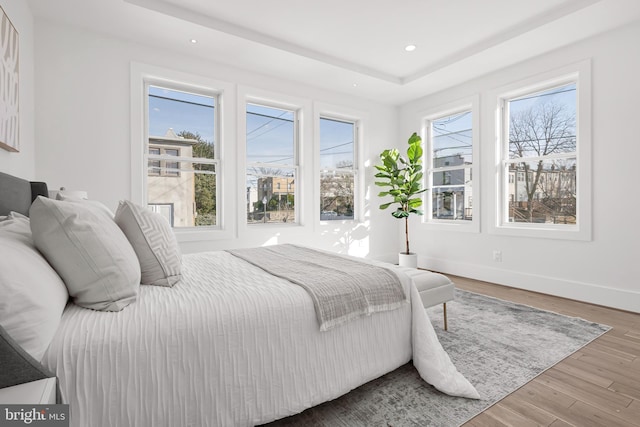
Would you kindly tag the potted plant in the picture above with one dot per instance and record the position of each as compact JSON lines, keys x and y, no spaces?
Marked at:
{"x":403,"y":176}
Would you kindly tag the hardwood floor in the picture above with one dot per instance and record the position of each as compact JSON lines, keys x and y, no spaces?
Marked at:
{"x":598,"y":385}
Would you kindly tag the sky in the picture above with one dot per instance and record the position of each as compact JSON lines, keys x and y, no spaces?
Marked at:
{"x":452,"y":135}
{"x":270,"y":131}
{"x":564,"y":95}
{"x":184,"y":111}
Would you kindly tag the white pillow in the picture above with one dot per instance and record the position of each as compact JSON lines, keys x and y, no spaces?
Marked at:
{"x":65,"y":197}
{"x":153,"y":241}
{"x":33,"y":295}
{"x":89,"y":252}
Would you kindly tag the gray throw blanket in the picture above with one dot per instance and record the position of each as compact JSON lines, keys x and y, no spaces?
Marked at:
{"x":341,"y":288}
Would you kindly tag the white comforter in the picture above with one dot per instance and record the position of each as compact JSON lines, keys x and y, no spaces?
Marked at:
{"x":230,"y":345}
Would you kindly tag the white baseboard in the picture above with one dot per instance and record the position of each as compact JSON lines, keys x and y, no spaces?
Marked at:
{"x":587,"y":292}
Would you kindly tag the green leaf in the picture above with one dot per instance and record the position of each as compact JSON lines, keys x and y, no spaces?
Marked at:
{"x":400,"y":214}
{"x":415,"y":139}
{"x":403,"y":176}
{"x":414,"y":153}
{"x":414,"y":203}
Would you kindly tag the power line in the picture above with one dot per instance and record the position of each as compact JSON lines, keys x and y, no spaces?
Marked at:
{"x":336,"y":146}
{"x":339,"y":152}
{"x":181,"y":100}
{"x":282,"y":122}
{"x":266,"y":131}
{"x":469,"y":144}
{"x":452,"y":119}
{"x":272,"y":117}
{"x":458,"y":132}
{"x":542,"y":94}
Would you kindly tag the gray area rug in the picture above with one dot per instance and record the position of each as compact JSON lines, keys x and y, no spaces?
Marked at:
{"x":498,"y":345}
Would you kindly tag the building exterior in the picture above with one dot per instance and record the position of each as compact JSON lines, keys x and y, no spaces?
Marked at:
{"x":170,"y":188}
{"x":279,"y":194}
{"x":552,"y":199}
{"x":452,"y":194}
{"x":337,"y":191}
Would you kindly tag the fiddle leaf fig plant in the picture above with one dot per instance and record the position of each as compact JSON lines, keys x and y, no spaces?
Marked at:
{"x":403,"y":177}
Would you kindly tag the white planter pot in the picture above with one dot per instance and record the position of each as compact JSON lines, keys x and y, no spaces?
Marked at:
{"x":410,"y":260}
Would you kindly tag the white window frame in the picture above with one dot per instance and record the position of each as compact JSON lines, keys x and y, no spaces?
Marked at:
{"x":359,"y":119}
{"x":467,"y":104}
{"x":580,"y":74}
{"x":297,"y":110}
{"x":143,"y":75}
{"x":354,"y":169}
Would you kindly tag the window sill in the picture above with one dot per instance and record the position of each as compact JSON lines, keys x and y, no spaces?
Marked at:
{"x":543,"y":231}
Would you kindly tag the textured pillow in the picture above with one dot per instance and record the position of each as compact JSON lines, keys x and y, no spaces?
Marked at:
{"x":153,"y":241}
{"x":89,"y":252}
{"x":33,"y":295}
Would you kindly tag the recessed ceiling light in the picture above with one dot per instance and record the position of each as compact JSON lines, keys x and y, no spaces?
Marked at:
{"x":355,"y":85}
{"x":194,"y":41}
{"x":410,"y":47}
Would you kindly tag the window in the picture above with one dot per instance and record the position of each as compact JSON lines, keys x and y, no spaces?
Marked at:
{"x":172,"y":168}
{"x":181,"y":181}
{"x":166,"y":210}
{"x":539,"y":147}
{"x":159,"y":167}
{"x":154,"y":165}
{"x":338,"y":170}
{"x":450,"y":166}
{"x":272,"y":164}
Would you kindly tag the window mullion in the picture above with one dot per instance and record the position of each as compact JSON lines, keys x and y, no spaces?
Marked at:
{"x":553,"y":156}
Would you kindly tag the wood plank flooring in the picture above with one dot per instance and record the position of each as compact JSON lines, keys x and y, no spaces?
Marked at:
{"x":599,"y":385}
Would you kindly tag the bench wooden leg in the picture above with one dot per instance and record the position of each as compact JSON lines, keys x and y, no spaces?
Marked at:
{"x":444,"y":310}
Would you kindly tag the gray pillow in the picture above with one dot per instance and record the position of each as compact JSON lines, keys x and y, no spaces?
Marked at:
{"x":33,"y":296}
{"x":153,"y":241}
{"x":89,"y":252}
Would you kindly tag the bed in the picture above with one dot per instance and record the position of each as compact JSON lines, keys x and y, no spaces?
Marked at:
{"x":228,"y":344}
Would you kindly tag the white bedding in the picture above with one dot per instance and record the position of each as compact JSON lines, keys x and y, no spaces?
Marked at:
{"x":230,"y":345}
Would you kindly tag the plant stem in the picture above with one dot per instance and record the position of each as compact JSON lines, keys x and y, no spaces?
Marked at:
{"x":406,"y":232}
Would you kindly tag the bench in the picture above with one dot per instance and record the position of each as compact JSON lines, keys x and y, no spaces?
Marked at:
{"x":434,"y":288}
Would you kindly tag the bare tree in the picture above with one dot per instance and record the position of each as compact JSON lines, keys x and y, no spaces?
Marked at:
{"x":337,"y":193}
{"x":541,"y":130}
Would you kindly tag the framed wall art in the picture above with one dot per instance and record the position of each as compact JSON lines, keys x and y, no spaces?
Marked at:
{"x":9,"y":67}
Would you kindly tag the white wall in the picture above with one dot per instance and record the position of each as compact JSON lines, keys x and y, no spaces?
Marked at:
{"x":605,"y":270}
{"x":84,"y":133}
{"x":83,"y":130}
{"x":22,"y":164}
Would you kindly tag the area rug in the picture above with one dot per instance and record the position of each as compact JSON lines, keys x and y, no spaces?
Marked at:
{"x":498,"y":345}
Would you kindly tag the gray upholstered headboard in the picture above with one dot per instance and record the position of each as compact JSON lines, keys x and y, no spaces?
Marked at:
{"x":16,"y":194}
{"x":18,"y":366}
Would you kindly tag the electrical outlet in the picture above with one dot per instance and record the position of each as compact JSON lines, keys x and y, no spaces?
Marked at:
{"x":497,"y":256}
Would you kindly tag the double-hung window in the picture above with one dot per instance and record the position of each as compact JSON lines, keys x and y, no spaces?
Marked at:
{"x":544,"y":155}
{"x":539,"y":149}
{"x":181,"y":179}
{"x":337,"y":169}
{"x":272,"y":164}
{"x":450,"y":167}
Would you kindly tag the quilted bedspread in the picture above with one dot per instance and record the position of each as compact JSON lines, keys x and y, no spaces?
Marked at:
{"x":231,"y":345}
